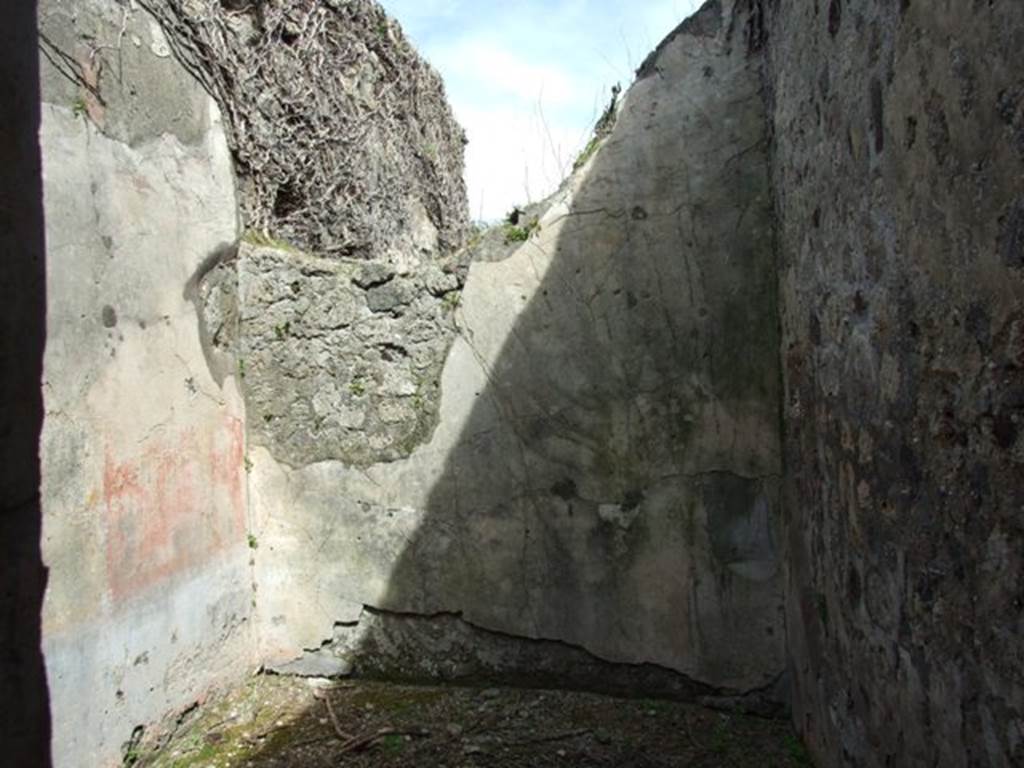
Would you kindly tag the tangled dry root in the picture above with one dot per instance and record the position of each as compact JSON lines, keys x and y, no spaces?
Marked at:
{"x":342,"y":135}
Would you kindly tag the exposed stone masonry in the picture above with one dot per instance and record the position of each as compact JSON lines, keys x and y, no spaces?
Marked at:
{"x":338,"y":359}
{"x":899,"y":178}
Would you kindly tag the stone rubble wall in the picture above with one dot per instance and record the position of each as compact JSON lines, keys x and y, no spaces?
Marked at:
{"x":898,"y":170}
{"x":340,"y":359}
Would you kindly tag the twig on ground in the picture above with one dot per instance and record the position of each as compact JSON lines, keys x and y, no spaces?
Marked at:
{"x":362,"y":742}
{"x":341,"y":734}
{"x":689,"y":734}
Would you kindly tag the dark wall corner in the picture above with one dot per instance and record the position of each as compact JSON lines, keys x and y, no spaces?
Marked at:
{"x":24,"y":727}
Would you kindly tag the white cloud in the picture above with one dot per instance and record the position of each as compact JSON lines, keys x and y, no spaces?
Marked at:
{"x":513,"y":157}
{"x":492,"y":71}
{"x":528,"y":79}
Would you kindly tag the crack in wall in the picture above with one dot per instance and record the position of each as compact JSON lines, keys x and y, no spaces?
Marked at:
{"x":397,"y":646}
{"x":575,"y":370}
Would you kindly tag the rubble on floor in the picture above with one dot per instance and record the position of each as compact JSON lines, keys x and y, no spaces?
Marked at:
{"x":310,"y":722}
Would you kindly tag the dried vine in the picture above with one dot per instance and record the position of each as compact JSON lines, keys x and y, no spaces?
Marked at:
{"x":338,"y":128}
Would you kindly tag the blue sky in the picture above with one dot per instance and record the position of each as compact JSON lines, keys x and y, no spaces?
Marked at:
{"x":527,"y":80}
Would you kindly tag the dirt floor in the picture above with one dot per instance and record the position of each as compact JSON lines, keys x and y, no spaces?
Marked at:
{"x":281,"y":721}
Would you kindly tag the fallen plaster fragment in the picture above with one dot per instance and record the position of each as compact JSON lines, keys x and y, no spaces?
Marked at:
{"x":315,"y":665}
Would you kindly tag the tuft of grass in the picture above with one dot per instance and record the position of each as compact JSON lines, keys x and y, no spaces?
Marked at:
{"x":451,"y":301}
{"x":722,"y":738}
{"x":657,"y":706}
{"x":587,"y":153}
{"x":357,"y":387}
{"x":264,"y":240}
{"x":515,"y":233}
{"x":393,"y":743}
{"x":604,"y":126}
{"x":798,"y":752}
{"x":253,"y":541}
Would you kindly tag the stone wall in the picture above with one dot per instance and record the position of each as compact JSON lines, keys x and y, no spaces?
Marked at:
{"x":605,"y":464}
{"x":143,"y":486}
{"x":340,"y":358}
{"x":562,"y":459}
{"x":899,"y":180}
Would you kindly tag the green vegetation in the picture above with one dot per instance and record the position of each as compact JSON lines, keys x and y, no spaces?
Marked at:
{"x":253,"y":542}
{"x":797,"y":751}
{"x":722,"y":738}
{"x":520,"y":234}
{"x":587,"y":153}
{"x":402,"y":723}
{"x":517,"y":228}
{"x":79,"y":107}
{"x":602,"y":128}
{"x":262,"y":239}
{"x":357,"y":386}
{"x":476,"y":232}
{"x":657,"y":706}
{"x":393,"y":743}
{"x":516,"y":234}
{"x":450,"y":302}
{"x":418,"y":402}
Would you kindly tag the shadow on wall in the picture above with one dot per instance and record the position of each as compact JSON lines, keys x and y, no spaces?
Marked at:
{"x":598,"y":505}
{"x":25,"y":723}
{"x":605,"y":474}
